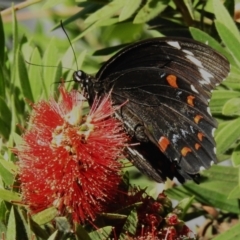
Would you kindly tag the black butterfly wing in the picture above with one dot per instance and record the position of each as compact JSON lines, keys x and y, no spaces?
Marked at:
{"x":175,"y":119}
{"x":168,"y":83}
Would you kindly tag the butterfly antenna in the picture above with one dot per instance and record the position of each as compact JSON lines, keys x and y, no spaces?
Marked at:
{"x":39,"y":65}
{"x":69,"y":42}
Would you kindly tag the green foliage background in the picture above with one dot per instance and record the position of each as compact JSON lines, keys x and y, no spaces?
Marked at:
{"x":97,"y":30}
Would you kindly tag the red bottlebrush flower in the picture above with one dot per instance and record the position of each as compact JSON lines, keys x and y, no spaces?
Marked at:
{"x":156,"y":219}
{"x":68,"y":160}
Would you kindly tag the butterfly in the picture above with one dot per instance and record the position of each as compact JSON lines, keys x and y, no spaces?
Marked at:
{"x":167,"y":83}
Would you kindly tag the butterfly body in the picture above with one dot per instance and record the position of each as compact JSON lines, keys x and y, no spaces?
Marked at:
{"x":167,"y":83}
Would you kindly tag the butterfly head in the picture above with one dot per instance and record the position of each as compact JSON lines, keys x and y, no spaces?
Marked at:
{"x":86,"y":83}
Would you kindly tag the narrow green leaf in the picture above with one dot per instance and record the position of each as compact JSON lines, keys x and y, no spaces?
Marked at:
{"x":82,"y":234}
{"x":87,"y":10}
{"x":23,"y":77}
{"x":4,"y":211}
{"x":150,"y":10}
{"x":102,"y":233}
{"x":231,"y":234}
{"x":184,"y":205}
{"x":220,"y":97}
{"x":231,"y":42}
{"x":9,"y":165}
{"x":16,"y":228}
{"x":11,"y":227}
{"x":17,"y":138}
{"x":2,"y":82}
{"x":45,"y":216}
{"x":10,"y":196}
{"x":38,"y":230}
{"x":100,"y":23}
{"x":54,"y":236}
{"x":15,"y":46}
{"x":6,"y":175}
{"x":236,"y":156}
{"x":227,"y":134}
{"x":223,"y":16}
{"x":207,"y":39}
{"x":233,"y":80}
{"x":231,"y":107}
{"x":106,"y":12}
{"x":5,"y":113}
{"x":130,"y":225}
{"x":129,"y":9}
{"x":235,"y":193}
{"x":214,"y":191}
{"x":51,"y":74}
{"x":189,"y":6}
{"x":2,"y":45}
{"x":35,"y":74}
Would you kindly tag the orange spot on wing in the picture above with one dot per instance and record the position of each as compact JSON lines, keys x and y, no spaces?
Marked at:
{"x":197,"y":146}
{"x":172,"y":80}
{"x":185,"y":151}
{"x":200,"y":136}
{"x":197,"y":118}
{"x":190,"y":99}
{"x":163,"y":143}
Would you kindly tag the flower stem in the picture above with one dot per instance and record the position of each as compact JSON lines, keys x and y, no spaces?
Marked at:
{"x":19,"y":7}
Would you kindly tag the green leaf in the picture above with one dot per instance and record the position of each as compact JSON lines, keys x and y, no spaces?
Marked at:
{"x":5,"y":118}
{"x":236,"y":156}
{"x":233,"y":80}
{"x":235,"y":193}
{"x":207,"y":39}
{"x":54,"y":236}
{"x":17,"y":138}
{"x":214,"y":191}
{"x":227,"y":134}
{"x":11,"y":227}
{"x":102,"y":233}
{"x":129,"y":9}
{"x":184,"y":205}
{"x":231,"y":234}
{"x":35,"y":74}
{"x":231,"y":42}
{"x":106,"y":12}
{"x":220,"y":97}
{"x":223,"y":16}
{"x":189,"y":6}
{"x":6,"y":175}
{"x":51,"y":74}
{"x":23,"y":77}
{"x":2,"y":83}
{"x":82,"y":234}
{"x":100,"y":23}
{"x":130,"y":225}
{"x":2,"y":45}
{"x":231,"y":107}
{"x":15,"y":46}
{"x":16,"y":228}
{"x":8,"y":165}
{"x":45,"y":216}
{"x":150,"y":10}
{"x":10,"y":196}
{"x":37,"y":230}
